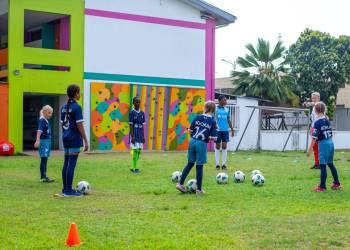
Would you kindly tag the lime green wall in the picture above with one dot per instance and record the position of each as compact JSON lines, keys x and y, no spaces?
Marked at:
{"x":41,"y":81}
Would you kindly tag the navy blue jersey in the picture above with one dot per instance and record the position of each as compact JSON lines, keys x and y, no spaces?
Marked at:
{"x":137,"y":121}
{"x":71,"y":115}
{"x":322,"y":129}
{"x":203,"y":127}
{"x":44,"y":128}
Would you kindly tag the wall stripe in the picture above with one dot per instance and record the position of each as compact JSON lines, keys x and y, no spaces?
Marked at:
{"x":144,"y":19}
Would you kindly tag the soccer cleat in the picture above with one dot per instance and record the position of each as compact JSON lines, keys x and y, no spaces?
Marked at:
{"x":47,"y":180}
{"x":315,"y":166}
{"x":335,"y":186}
{"x":224,"y":167}
{"x":181,"y":188}
{"x":318,"y":189}
{"x":200,"y":192}
{"x":72,"y":193}
{"x":132,"y":170}
{"x":217,"y":167}
{"x":137,"y":171}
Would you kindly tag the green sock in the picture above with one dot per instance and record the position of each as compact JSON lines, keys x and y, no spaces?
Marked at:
{"x":134,"y":156}
{"x":138,"y":153}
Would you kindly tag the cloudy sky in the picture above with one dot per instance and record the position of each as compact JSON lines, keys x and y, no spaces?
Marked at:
{"x":269,"y":18}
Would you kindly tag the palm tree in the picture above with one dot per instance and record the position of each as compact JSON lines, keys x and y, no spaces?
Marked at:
{"x":264,"y":74}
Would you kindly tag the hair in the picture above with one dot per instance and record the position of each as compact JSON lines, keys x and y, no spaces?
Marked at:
{"x":221,"y":97}
{"x":320,"y":108}
{"x":135,"y":99}
{"x":209,"y":107}
{"x":316,"y":94}
{"x":46,"y":107}
{"x":72,"y":91}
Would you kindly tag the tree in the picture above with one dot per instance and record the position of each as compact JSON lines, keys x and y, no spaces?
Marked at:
{"x":265,"y":74}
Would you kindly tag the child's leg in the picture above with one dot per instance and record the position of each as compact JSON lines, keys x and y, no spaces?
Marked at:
{"x":43,"y":167}
{"x":323,"y":175}
{"x":217,"y":154}
{"x":134,"y":156}
{"x":185,"y":172}
{"x":315,"y":149}
{"x":138,"y":157}
{"x":72,"y":162}
{"x":334,"y":173}
{"x":199,"y":176}
{"x":64,"y":172}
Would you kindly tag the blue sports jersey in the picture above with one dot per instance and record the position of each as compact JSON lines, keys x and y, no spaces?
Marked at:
{"x":322,"y":129}
{"x":71,"y":135}
{"x":137,"y":119}
{"x":44,"y":128}
{"x":203,"y":127}
{"x":222,"y":115}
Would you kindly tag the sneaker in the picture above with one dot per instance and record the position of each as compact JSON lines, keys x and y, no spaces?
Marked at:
{"x":318,"y":189}
{"x":200,"y":192}
{"x":72,"y":193}
{"x":217,"y":167}
{"x":137,"y":171}
{"x":131,"y":170}
{"x":47,"y":180}
{"x":335,"y":186}
{"x":224,"y":167}
{"x":181,"y":188}
{"x":315,"y":166}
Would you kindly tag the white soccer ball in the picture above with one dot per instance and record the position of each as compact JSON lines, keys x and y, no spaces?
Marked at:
{"x":192,"y":185}
{"x":258,"y":180}
{"x":176,"y":176}
{"x":83,"y":187}
{"x":222,"y":178}
{"x":238,"y":176}
{"x":254,"y":172}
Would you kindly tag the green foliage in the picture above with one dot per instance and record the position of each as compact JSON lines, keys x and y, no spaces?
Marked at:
{"x":265,"y":74}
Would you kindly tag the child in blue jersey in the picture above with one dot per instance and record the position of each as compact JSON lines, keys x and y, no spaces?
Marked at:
{"x":43,"y":141}
{"x":137,"y":137}
{"x":73,"y":136}
{"x":223,"y":120}
{"x":203,"y":128}
{"x":322,"y":135}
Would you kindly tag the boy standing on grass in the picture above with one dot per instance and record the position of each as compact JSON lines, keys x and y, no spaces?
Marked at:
{"x":203,"y":128}
{"x":137,"y":138}
{"x":224,"y":125}
{"x":43,"y":141}
{"x":322,"y":135}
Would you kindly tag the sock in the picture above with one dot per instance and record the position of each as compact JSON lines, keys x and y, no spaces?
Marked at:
{"x":43,"y":166}
{"x":334,"y":173}
{"x":138,"y":156}
{"x":134,"y":156}
{"x":323,"y":175}
{"x":72,"y":162}
{"x":224,"y":156}
{"x":185,"y":172}
{"x":217,"y":156}
{"x":64,"y":172}
{"x":199,"y":176}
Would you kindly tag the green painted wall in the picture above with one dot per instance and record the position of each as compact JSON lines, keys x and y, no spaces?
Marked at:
{"x":41,"y":81}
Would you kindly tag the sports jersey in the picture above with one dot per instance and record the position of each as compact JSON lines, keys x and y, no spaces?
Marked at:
{"x":222,"y":114}
{"x":203,"y":127}
{"x":44,"y":128}
{"x":137,"y":119}
{"x":322,"y":129}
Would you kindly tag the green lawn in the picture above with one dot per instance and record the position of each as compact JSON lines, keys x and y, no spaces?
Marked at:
{"x":126,"y":211}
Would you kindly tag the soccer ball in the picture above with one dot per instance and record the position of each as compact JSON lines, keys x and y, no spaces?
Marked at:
{"x":192,"y":185}
{"x":83,"y":187}
{"x":238,"y":176}
{"x":258,"y":180}
{"x":254,"y":172}
{"x":222,"y":178}
{"x":176,"y":176}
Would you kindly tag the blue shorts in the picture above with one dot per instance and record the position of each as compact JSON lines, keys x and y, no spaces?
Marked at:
{"x":45,"y":148}
{"x":197,"y":152}
{"x":71,"y":150}
{"x":223,"y":136}
{"x":326,"y":151}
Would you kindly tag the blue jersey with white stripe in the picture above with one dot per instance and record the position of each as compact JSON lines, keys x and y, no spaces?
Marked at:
{"x":203,"y":127}
{"x":44,"y":128}
{"x":322,"y":129}
{"x":137,"y":121}
{"x":71,"y":115}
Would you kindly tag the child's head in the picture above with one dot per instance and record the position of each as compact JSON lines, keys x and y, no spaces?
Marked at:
{"x":320,"y":108}
{"x":46,"y":112}
{"x":315,"y":97}
{"x":222,"y":100}
{"x":136,"y":101}
{"x":73,"y":92}
{"x":209,"y":107}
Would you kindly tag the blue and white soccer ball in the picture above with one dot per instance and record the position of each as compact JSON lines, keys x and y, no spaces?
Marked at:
{"x":83,"y":187}
{"x":176,"y":176}
{"x":192,"y":185}
{"x":222,"y":178}
{"x":238,"y":176}
{"x":258,"y":180}
{"x":254,"y":172}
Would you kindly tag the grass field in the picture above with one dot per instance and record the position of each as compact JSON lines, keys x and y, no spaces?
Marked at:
{"x":145,"y":211}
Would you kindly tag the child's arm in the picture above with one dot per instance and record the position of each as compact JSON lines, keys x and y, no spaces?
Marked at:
{"x":83,"y":134}
{"x":37,"y":142}
{"x":132,"y":133}
{"x":231,"y":126}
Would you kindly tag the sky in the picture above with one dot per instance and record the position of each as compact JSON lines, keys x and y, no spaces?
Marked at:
{"x":270,"y":18}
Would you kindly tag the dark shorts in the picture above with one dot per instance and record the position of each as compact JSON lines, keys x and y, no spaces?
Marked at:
{"x":223,"y":136}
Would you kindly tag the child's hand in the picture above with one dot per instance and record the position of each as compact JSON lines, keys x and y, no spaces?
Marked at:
{"x":143,"y":140}
{"x":133,"y":140}
{"x":36,"y":144}
{"x":232,"y":133}
{"x":308,"y":153}
{"x":86,"y":146}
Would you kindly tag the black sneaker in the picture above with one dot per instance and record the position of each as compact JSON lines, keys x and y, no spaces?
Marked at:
{"x":137,"y":171}
{"x":217,"y":167}
{"x":131,"y":170}
{"x":47,"y":180}
{"x":315,"y":166}
{"x":224,"y":167}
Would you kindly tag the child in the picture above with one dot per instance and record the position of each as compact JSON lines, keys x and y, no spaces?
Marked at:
{"x":202,"y":129}
{"x":73,"y":136}
{"x":137,"y":137}
{"x":224,"y":124}
{"x":43,"y":141}
{"x":322,"y":134}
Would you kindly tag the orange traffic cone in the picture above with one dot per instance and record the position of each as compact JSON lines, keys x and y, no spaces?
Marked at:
{"x":73,"y":237}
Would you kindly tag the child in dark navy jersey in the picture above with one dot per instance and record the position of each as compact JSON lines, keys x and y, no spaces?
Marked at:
{"x":322,"y":134}
{"x":73,"y":136}
{"x":43,"y":141}
{"x":203,"y":128}
{"x":137,"y":137}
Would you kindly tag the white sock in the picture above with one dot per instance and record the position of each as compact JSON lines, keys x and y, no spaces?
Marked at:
{"x":217,"y":157}
{"x":224,"y":156}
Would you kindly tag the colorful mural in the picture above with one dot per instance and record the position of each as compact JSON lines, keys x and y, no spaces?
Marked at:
{"x":169,"y":112}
